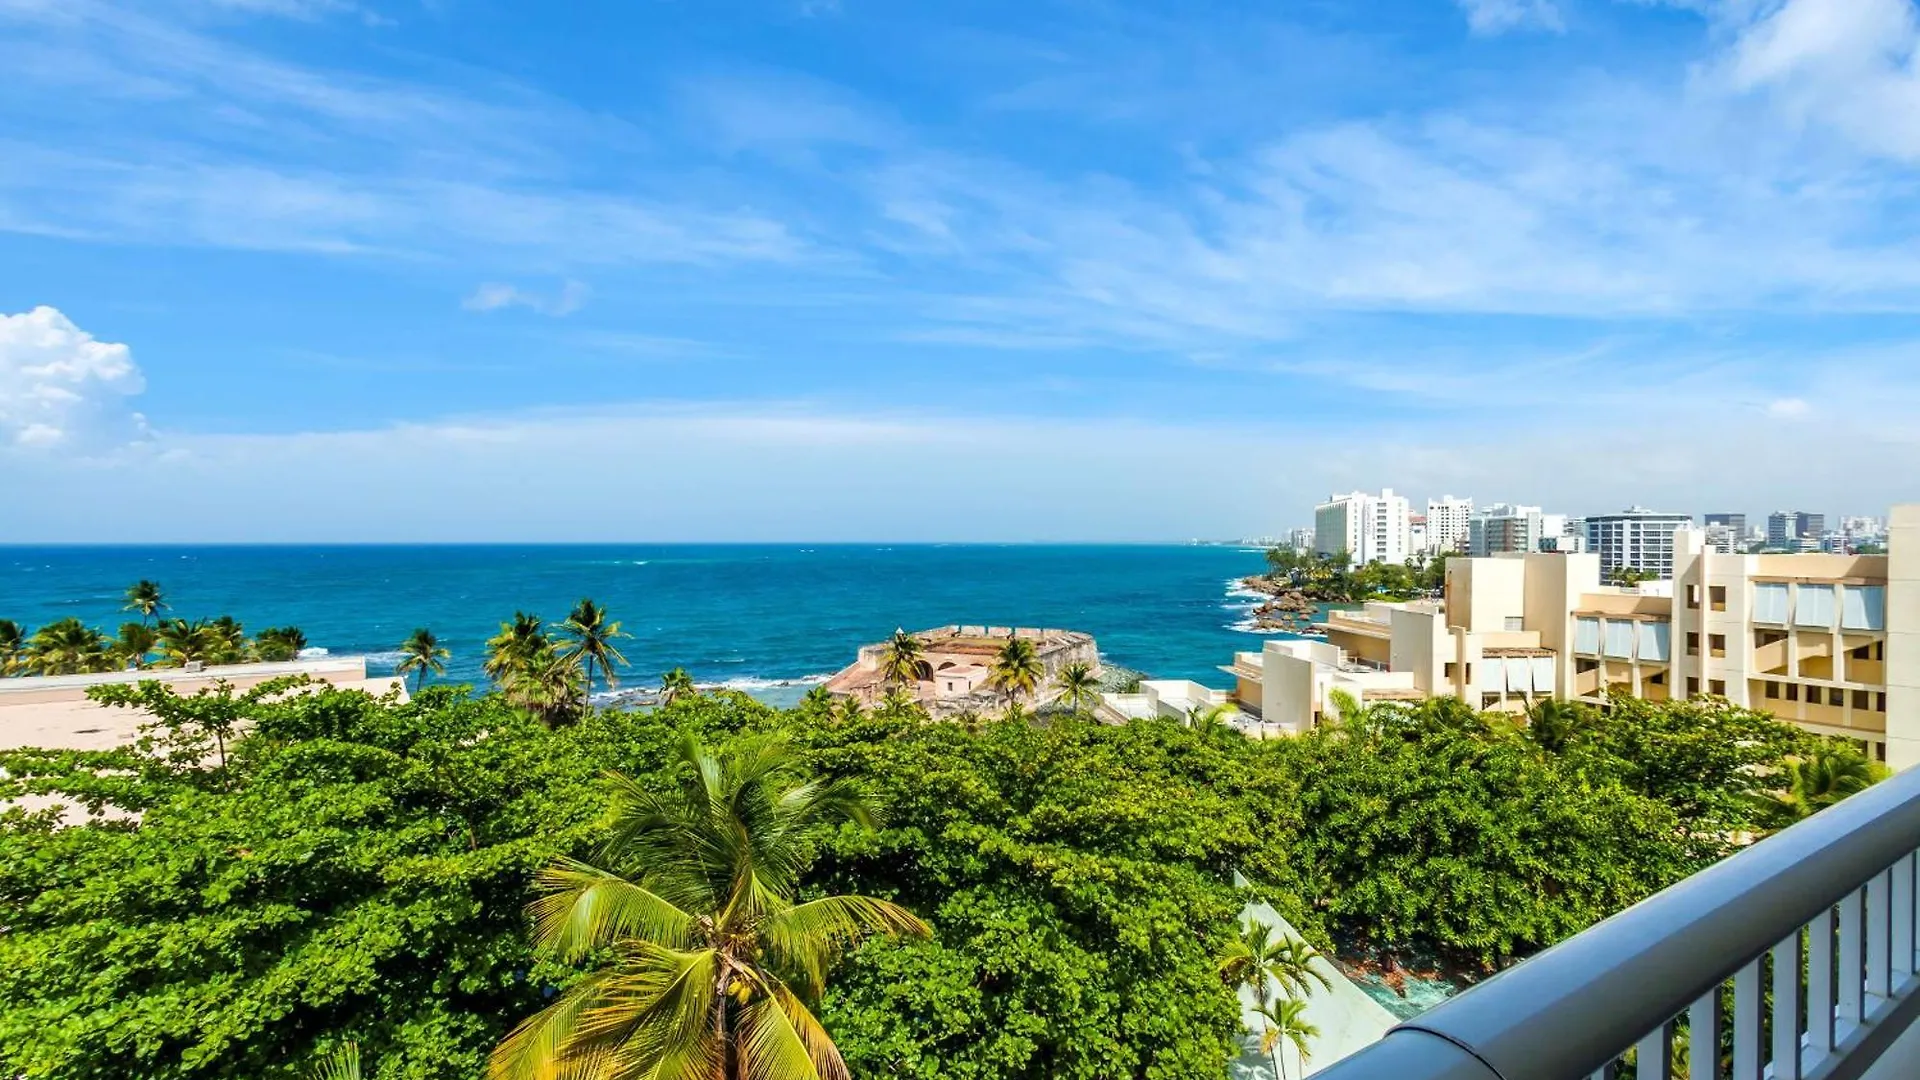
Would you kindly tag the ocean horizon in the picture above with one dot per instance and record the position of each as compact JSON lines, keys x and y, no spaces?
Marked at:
{"x":767,"y":618}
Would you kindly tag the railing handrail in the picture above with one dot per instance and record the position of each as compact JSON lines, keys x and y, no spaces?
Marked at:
{"x":1574,"y":1007}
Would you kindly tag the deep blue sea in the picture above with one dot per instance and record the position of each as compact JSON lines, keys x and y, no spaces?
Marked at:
{"x":748,"y":616}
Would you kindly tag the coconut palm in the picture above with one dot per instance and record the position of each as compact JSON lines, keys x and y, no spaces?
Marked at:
{"x":848,"y":710}
{"x":144,"y":597}
{"x":545,"y":684}
{"x":1078,"y":686}
{"x":899,"y":702}
{"x":229,"y":640}
{"x":135,"y":645}
{"x":711,"y":963}
{"x":279,"y":643}
{"x":182,"y":642}
{"x":13,"y":647}
{"x":516,"y":644}
{"x":342,"y":1064}
{"x":1554,"y":724}
{"x":900,"y":662}
{"x":1211,"y":720}
{"x":677,"y":684}
{"x":68,"y":647}
{"x":817,"y":702}
{"x":588,"y":637}
{"x":1252,"y":960}
{"x":1286,"y":1020}
{"x":1812,"y":783}
{"x":1016,"y":670}
{"x":421,"y":655}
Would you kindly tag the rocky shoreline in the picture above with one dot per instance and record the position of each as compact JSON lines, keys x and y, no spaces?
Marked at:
{"x":1286,"y":608}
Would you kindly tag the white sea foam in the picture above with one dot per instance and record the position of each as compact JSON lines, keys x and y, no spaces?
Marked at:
{"x":385,"y":656}
{"x":311,"y":652}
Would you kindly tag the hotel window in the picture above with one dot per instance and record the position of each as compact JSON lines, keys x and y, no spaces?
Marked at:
{"x":1880,"y":702}
{"x":1717,"y":597}
{"x":1793,"y":692}
{"x":1717,"y":686}
{"x":1693,"y":596}
{"x":1865,"y":608}
{"x":1516,"y":623}
{"x":1836,"y":697}
{"x":1770,"y":602}
{"x":1693,"y":685}
{"x":1693,"y":643}
{"x":1861,"y":701}
{"x":1451,"y":668}
{"x":1583,"y":666}
{"x":1717,"y":645}
{"x":1815,"y":606}
{"x":1773,"y":690}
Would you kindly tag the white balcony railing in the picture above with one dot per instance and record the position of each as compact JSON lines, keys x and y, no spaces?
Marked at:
{"x":1822,"y":914}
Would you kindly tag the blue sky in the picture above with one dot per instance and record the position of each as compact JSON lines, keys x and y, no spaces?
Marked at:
{"x":800,"y":269}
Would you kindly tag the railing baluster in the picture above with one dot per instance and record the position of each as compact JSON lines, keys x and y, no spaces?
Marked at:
{"x":1746,"y":1022}
{"x":1819,"y":988}
{"x":1703,"y":1037}
{"x":1655,"y":1054}
{"x":1879,"y":936}
{"x":1903,"y":925}
{"x":1847,"y":1011}
{"x":1786,"y":1008}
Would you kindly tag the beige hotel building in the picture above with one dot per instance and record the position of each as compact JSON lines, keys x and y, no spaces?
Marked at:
{"x":1829,"y":642}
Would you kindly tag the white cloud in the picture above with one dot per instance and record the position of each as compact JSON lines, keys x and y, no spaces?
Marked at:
{"x":494,"y":295}
{"x":1788,"y":408}
{"x":1849,"y":65}
{"x":61,"y":389}
{"x":1499,"y":16}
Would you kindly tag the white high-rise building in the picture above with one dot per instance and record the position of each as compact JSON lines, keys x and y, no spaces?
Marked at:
{"x":1504,"y":527}
{"x":1449,"y":521}
{"x":1636,"y":537}
{"x":1369,"y":528}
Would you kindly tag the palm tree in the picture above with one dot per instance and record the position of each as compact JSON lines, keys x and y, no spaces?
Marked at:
{"x":13,"y":646}
{"x":1016,"y":670}
{"x":1016,"y":713}
{"x":1293,"y":970}
{"x":898,"y":702}
{"x":516,"y":643}
{"x":589,"y":638}
{"x":545,"y":684}
{"x":1554,"y":724}
{"x":421,"y":655}
{"x":1252,"y":959}
{"x":817,"y":702}
{"x":182,"y":642}
{"x":1210,"y":720}
{"x":848,"y":710}
{"x":279,"y":643}
{"x":1811,"y":784}
{"x":229,"y":640}
{"x":68,"y":647}
{"x":1079,"y":688}
{"x":711,"y":962}
{"x":144,"y":597}
{"x":1286,"y":1019}
{"x":135,"y":645}
{"x":900,"y":663}
{"x":342,"y":1064}
{"x":677,"y":684}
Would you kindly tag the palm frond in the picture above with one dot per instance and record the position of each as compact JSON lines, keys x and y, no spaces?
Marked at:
{"x":342,"y":1064}
{"x":545,"y":1046}
{"x":587,"y":908}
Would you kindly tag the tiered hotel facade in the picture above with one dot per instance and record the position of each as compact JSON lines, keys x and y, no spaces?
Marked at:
{"x":1829,"y":642}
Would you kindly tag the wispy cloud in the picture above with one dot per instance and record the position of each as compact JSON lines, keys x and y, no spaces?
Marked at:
{"x":1500,"y":16}
{"x":494,"y":295}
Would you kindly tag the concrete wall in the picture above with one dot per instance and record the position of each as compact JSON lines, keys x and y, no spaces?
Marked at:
{"x":1903,"y":637}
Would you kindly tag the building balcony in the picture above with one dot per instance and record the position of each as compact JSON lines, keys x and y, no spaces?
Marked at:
{"x":1809,"y":936}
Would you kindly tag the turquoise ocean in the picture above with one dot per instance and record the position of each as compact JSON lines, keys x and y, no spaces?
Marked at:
{"x":769,"y":619}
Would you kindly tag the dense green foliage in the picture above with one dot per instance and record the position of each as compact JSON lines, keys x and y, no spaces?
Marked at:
{"x":348,"y":870}
{"x":1333,"y":579}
